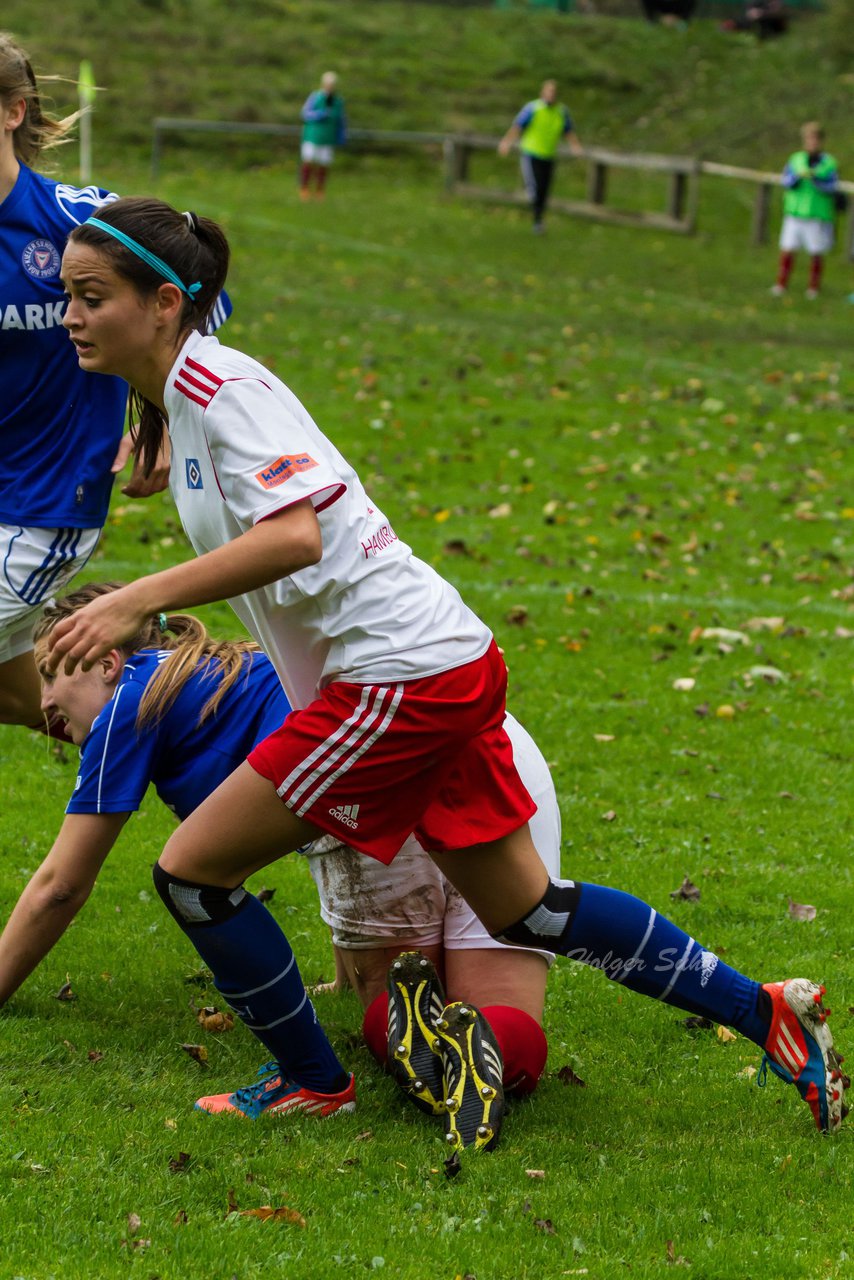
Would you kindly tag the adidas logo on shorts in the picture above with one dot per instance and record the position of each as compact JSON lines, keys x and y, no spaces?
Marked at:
{"x":346,"y":813}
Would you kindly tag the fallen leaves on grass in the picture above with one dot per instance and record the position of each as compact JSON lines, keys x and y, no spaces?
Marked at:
{"x":65,"y":992}
{"x":268,"y":1214}
{"x":178,"y":1164}
{"x":546,"y":1225}
{"x":687,"y":891}
{"x":725,"y":1035}
{"x":516,"y":615}
{"x":197,"y":1052}
{"x":265,"y":895}
{"x":609,"y":816}
{"x":566,"y":1075}
{"x":672,"y":1258}
{"x":535,"y":1173}
{"x":181,"y":1218}
{"x":95,"y":1055}
{"x":684,"y":684}
{"x":452,"y":1165}
{"x":801,"y":911}
{"x":213,"y":1020}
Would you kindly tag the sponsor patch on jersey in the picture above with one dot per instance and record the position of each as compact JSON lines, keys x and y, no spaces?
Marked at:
{"x":41,"y":259}
{"x":283,"y":468}
{"x":194,"y":474}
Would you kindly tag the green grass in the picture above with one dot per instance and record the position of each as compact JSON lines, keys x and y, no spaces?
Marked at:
{"x":405,"y":65}
{"x":607,"y":440}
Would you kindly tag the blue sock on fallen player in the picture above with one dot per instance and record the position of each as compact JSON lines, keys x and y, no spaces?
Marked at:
{"x":635,"y":946}
{"x":256,"y":971}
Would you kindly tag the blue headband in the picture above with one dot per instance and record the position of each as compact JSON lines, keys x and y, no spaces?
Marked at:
{"x":151,"y":258}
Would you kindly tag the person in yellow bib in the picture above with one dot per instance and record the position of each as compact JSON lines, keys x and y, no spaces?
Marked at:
{"x":539,"y":128}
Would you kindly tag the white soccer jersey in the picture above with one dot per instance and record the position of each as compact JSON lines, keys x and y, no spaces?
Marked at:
{"x":370,"y":612}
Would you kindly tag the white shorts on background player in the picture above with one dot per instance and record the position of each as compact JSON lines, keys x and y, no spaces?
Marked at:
{"x":369,"y":905}
{"x":36,"y":564}
{"x":316,"y":153}
{"x":813,"y":235}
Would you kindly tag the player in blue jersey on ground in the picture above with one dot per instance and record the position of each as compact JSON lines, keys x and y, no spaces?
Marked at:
{"x":399,"y":687}
{"x":60,"y":432}
{"x":177,"y":710}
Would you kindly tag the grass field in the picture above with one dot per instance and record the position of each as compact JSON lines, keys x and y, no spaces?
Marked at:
{"x":611,"y":442}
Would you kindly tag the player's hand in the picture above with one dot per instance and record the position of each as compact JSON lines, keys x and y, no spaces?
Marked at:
{"x":89,"y":634}
{"x":504,"y":147}
{"x":142,"y":486}
{"x":123,"y":452}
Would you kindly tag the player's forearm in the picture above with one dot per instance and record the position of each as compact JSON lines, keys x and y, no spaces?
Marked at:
{"x":38,"y":921}
{"x":253,"y":560}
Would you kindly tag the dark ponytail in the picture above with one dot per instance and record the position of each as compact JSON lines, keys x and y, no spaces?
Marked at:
{"x":194,"y":247}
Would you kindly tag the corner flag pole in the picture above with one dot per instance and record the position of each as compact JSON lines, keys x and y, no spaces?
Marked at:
{"x":86,"y":101}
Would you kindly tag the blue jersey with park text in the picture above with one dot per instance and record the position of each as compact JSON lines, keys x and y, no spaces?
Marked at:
{"x":184,"y":760}
{"x":59,"y":427}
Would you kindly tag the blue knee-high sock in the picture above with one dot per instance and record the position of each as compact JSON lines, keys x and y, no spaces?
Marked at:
{"x":633,"y":945}
{"x":256,"y":971}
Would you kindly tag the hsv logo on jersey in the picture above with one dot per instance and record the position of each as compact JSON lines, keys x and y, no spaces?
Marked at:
{"x":194,"y":474}
{"x":283,"y":468}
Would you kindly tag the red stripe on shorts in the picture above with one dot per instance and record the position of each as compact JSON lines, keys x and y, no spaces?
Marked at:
{"x":306,"y":783}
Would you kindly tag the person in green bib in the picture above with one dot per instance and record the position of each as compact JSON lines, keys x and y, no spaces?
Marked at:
{"x":324,"y":128}
{"x":810,"y":180}
{"x":539,"y":128}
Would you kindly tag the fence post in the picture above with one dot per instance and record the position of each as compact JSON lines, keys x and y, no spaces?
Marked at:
{"x":761,"y":210}
{"x":456,"y":153}
{"x":597,"y":182}
{"x":676,"y":200}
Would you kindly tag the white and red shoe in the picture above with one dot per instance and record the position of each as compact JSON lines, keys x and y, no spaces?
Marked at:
{"x":799,"y":1050}
{"x":273,"y":1094}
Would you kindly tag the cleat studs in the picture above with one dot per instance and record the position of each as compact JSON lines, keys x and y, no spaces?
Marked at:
{"x":437,"y":1045}
{"x":452,"y":1105}
{"x":484,"y":1131}
{"x":451,"y":1139}
{"x":486,"y":1091}
{"x":817,"y":996}
{"x":823,"y":989}
{"x":423,"y":962}
{"x":417,"y":1086}
{"x":400,"y":1051}
{"x":442,"y":1024}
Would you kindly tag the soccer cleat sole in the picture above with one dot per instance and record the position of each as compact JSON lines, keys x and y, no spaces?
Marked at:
{"x":415,"y":1001}
{"x":825,"y":1099}
{"x":474,"y":1093}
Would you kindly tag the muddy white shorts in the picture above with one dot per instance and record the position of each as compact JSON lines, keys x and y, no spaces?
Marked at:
{"x":36,"y":565}
{"x":368,"y":904}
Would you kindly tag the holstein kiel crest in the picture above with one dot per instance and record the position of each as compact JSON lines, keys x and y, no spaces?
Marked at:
{"x":41,"y":259}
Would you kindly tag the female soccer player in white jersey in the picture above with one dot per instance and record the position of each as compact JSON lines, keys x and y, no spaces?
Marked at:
{"x":399,"y":687}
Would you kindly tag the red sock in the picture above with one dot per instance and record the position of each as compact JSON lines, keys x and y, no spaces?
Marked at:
{"x":305,"y":175}
{"x":320,"y":179}
{"x":375,"y":1027}
{"x":816,"y":264}
{"x":787,"y":261}
{"x":523,"y":1046}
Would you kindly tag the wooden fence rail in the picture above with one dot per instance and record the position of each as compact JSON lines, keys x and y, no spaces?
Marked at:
{"x":683,"y":173}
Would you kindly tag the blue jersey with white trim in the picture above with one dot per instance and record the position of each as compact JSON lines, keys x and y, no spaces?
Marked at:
{"x":184,"y":760}
{"x":59,"y":427}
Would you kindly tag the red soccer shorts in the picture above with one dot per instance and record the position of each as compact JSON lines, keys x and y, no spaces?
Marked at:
{"x":372,"y":764}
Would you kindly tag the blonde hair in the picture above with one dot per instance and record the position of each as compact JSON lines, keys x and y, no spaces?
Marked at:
{"x":192,"y":649}
{"x":812,"y":126}
{"x":38,"y":130}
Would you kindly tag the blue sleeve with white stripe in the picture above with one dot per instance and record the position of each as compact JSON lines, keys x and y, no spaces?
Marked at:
{"x":116,"y":763}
